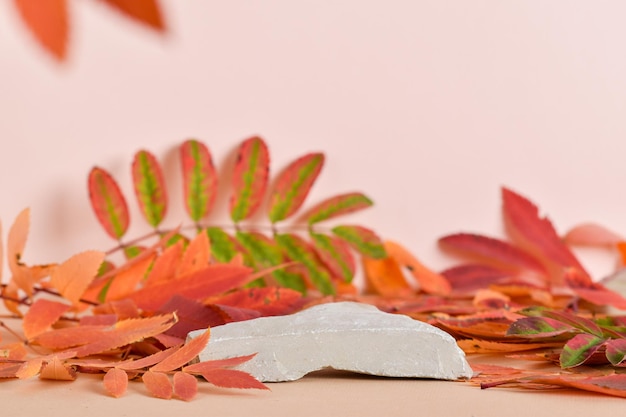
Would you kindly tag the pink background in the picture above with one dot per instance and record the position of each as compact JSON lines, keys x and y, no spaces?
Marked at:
{"x":429,"y":107}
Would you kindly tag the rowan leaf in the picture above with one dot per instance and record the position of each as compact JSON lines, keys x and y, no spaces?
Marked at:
{"x":199,"y":179}
{"x":115,"y":382}
{"x":616,"y":351}
{"x":41,"y":315}
{"x":250,"y":178}
{"x":127,"y":281}
{"x":192,"y":315}
{"x":468,"y":278}
{"x":108,"y":202}
{"x":591,"y":234}
{"x":196,"y":257}
{"x":336,"y":255}
{"x":149,"y":187}
{"x":16,"y":242}
{"x":223,"y":245}
{"x":158,"y":384}
{"x":578,"y":349}
{"x":338,"y":206}
{"x":384,"y":277}
{"x":293,"y":185}
{"x":610,"y":384}
{"x":185,"y":386}
{"x":184,"y":355}
{"x":165,"y":266}
{"x":576,"y":321}
{"x":72,"y":277}
{"x":56,"y":369}
{"x":539,"y":327}
{"x":269,"y":301}
{"x":147,"y":12}
{"x":49,"y":23}
{"x":594,"y":292}
{"x":361,"y":239}
{"x":297,"y":249}
{"x":232,"y":378}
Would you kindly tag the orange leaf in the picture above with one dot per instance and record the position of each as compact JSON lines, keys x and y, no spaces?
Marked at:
{"x":72,"y":277}
{"x":57,"y":370}
{"x":115,"y":382}
{"x":147,"y":12}
{"x":385,"y":277}
{"x":126,"y":282}
{"x":48,"y":22}
{"x":41,"y":315}
{"x":430,"y":282}
{"x":158,"y":384}
{"x":196,"y":256}
{"x":16,"y":242}
{"x":200,"y":367}
{"x":14,"y":351}
{"x":148,"y":360}
{"x":185,"y":386}
{"x":188,"y":352}
{"x":165,"y":265}
{"x":231,"y":378}
{"x":9,"y":293}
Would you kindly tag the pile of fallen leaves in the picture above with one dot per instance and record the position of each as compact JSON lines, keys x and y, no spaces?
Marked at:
{"x":527,"y":298}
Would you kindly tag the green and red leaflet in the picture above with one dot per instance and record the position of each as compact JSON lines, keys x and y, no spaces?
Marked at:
{"x":149,"y":187}
{"x":616,"y":351}
{"x":224,"y":247}
{"x":336,"y":256}
{"x":579,"y":349}
{"x":362,"y":239}
{"x":108,"y":203}
{"x":540,"y":328}
{"x":338,"y":206}
{"x":250,"y":178}
{"x":293,"y":185}
{"x":199,"y":179}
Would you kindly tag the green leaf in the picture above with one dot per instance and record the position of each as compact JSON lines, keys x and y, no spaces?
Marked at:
{"x":199,"y":179}
{"x":250,"y":178}
{"x":337,"y":206}
{"x":539,"y":327}
{"x":581,"y":323}
{"x":616,"y":351}
{"x":293,"y":185}
{"x":362,"y":239}
{"x":223,"y":245}
{"x":298,"y":250}
{"x":134,"y":250}
{"x":108,"y":203}
{"x":336,"y":255}
{"x":578,"y":349}
{"x":149,"y":187}
{"x":266,"y":253}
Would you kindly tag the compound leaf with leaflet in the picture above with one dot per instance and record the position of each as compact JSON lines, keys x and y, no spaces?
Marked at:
{"x":149,"y":187}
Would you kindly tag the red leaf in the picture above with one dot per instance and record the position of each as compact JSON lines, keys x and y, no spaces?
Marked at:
{"x":192,"y":315}
{"x":231,"y":378}
{"x":115,"y":382}
{"x":611,"y":385}
{"x":200,"y":367}
{"x":199,"y":179}
{"x":48,"y":22}
{"x":594,"y":292}
{"x":249,"y":178}
{"x":41,"y":315}
{"x":269,"y":301}
{"x":158,"y":384}
{"x":108,"y":202}
{"x":185,"y":386}
{"x":147,"y":12}
{"x":293,"y":185}
{"x":184,"y":355}
{"x":472,"y":277}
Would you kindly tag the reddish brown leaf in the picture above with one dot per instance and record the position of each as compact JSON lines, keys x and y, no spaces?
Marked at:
{"x":250,"y":178}
{"x":213,"y":280}
{"x":48,"y":22}
{"x":196,"y":257}
{"x":108,"y":202}
{"x":185,"y":386}
{"x":147,"y":12}
{"x":468,"y":278}
{"x":115,"y":382}
{"x":72,"y":277}
{"x":184,"y":355}
{"x":199,"y":179}
{"x":192,"y":315}
{"x":269,"y":301}
{"x":57,"y":370}
{"x":41,"y":315}
{"x":158,"y":384}
{"x":231,"y":378}
{"x":293,"y":185}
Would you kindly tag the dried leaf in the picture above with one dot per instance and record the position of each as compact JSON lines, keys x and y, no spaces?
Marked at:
{"x":293,"y":185}
{"x":231,"y":378}
{"x":468,"y":278}
{"x":115,"y":382}
{"x":611,"y":384}
{"x":72,"y":277}
{"x":578,"y":349}
{"x":41,"y":315}
{"x":149,"y":187}
{"x":269,"y":301}
{"x":158,"y":384}
{"x":48,"y":22}
{"x":192,"y":315}
{"x":185,"y":386}
{"x":385,"y":277}
{"x":297,"y":249}
{"x":200,"y":367}
{"x":591,"y":234}
{"x":57,"y":370}
{"x":196,"y":257}
{"x":250,"y":178}
{"x":147,"y":12}
{"x":184,"y":355}
{"x":429,"y":281}
{"x":108,"y":202}
{"x":336,"y":256}
{"x":338,"y":206}
{"x":199,"y":179}
{"x":362,"y":239}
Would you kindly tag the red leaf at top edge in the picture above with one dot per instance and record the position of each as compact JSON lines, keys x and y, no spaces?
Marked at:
{"x":48,"y":22}
{"x":147,"y":12}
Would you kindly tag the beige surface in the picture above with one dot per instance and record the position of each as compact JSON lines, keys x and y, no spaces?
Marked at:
{"x":320,"y":394}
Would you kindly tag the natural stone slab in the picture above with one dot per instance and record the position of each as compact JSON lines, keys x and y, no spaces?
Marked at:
{"x":345,"y":336}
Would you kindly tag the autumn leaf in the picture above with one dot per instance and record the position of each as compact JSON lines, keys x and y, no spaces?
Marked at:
{"x":223,"y":246}
{"x":540,"y":327}
{"x":147,"y":12}
{"x":250,"y":178}
{"x":199,"y":179}
{"x":57,"y":370}
{"x":126,"y":282}
{"x":41,"y":315}
{"x":362,"y":239}
{"x":72,"y":277}
{"x":192,"y":315}
{"x":108,"y":202}
{"x":578,"y":349}
{"x":335,"y":255}
{"x":232,"y":378}
{"x":115,"y":382}
{"x":184,"y":355}
{"x":593,"y":292}
{"x":591,"y":234}
{"x":185,"y":386}
{"x":385,"y":277}
{"x":149,"y":187}
{"x":616,"y":351}
{"x":158,"y":384}
{"x":337,"y":206}
{"x":48,"y":22}
{"x":269,"y":301}
{"x":293,"y":185}
{"x":196,"y":257}
{"x":165,"y":265}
